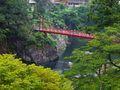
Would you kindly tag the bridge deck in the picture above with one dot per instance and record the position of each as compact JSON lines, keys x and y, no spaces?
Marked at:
{"x":67,"y":32}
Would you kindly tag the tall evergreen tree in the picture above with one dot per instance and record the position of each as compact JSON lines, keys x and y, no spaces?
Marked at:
{"x":103,"y":13}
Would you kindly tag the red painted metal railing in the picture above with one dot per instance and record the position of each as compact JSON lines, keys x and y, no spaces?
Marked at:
{"x":66,"y":32}
{"x":63,"y":31}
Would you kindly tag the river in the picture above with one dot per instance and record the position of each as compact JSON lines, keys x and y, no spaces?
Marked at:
{"x":62,"y":64}
{"x":75,"y":42}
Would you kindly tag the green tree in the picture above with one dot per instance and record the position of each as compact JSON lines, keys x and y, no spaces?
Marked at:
{"x":41,"y":6}
{"x":14,"y":21}
{"x":73,"y":18}
{"x":82,"y":18}
{"x":103,"y":13}
{"x":62,"y":6}
{"x":14,"y":75}
{"x":97,"y":69}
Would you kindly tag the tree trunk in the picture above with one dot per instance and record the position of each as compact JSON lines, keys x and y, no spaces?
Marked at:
{"x":104,"y":72}
{"x":102,"y":86}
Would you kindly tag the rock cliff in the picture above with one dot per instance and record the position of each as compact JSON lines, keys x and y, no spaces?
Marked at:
{"x":61,"y":43}
{"x":46,"y":55}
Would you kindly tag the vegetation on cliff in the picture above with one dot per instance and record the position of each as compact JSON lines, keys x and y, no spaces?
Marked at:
{"x":17,"y":22}
{"x":14,"y":22}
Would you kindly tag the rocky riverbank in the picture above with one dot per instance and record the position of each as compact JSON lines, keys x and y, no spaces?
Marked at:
{"x":46,"y":55}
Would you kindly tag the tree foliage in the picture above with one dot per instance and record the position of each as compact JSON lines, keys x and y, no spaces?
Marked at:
{"x":41,"y":6}
{"x":16,"y":75}
{"x":104,"y":13}
{"x":15,"y":24}
{"x":98,"y":70}
{"x":73,"y":18}
{"x":91,"y":70}
{"x":14,"y":21}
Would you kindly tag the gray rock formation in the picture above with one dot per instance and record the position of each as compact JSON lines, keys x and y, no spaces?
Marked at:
{"x":45,"y":55}
{"x":40,"y":55}
{"x":61,"y":44}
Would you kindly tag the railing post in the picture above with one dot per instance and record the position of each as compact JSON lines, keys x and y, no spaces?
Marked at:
{"x":42,"y":21}
{"x":39,"y":22}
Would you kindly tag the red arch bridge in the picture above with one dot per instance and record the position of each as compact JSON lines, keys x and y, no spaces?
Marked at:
{"x":66,"y":32}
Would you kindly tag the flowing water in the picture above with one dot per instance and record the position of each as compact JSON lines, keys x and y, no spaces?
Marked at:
{"x":62,"y":63}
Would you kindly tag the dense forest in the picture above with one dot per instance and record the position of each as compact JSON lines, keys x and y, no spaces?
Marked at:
{"x":99,"y":69}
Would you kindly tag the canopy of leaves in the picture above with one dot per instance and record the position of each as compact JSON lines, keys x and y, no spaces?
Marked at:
{"x":85,"y":68}
{"x":103,"y":13}
{"x":14,"y":75}
{"x":89,"y":67}
{"x":14,"y":23}
{"x":41,"y":6}
{"x":68,"y":18}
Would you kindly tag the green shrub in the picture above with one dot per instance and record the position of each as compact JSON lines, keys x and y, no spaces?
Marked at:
{"x":14,"y":75}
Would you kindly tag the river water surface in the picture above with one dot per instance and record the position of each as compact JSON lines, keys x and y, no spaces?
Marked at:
{"x":75,"y":42}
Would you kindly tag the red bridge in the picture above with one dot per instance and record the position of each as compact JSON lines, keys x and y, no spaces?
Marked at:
{"x":66,"y":32}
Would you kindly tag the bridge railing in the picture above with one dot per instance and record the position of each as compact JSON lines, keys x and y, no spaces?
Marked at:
{"x":67,"y":32}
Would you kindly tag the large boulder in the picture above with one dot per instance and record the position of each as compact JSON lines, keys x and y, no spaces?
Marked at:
{"x":46,"y":55}
{"x":39,"y":55}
